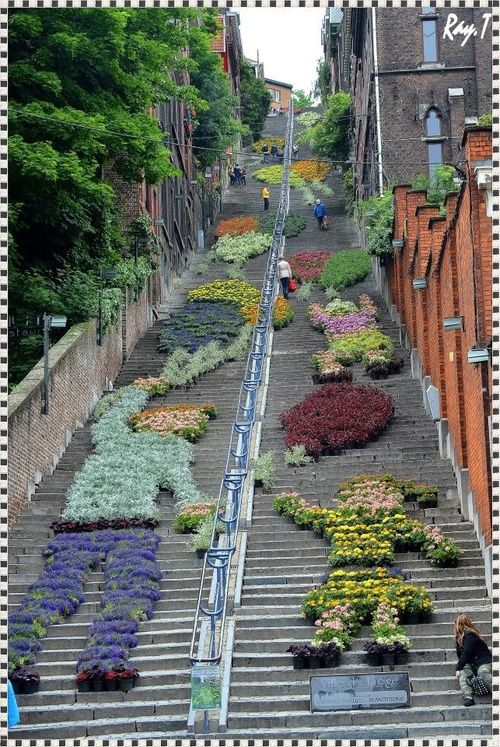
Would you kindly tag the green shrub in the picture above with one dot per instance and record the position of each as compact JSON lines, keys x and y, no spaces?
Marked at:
{"x":345,"y":268}
{"x":351,"y":347}
{"x":294,"y":224}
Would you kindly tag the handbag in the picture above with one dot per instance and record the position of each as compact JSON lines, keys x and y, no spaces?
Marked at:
{"x":479,"y":686}
{"x":292,"y":285}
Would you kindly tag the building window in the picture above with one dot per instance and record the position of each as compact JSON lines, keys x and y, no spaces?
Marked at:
{"x":429,"y":36}
{"x":435,"y":155}
{"x":433,"y":124}
{"x":275,"y":95}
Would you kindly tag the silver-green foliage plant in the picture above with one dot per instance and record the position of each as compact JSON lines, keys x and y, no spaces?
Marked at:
{"x":121,"y":479}
{"x":183,"y":368}
{"x":203,"y":266}
{"x":331,"y":293}
{"x":305,"y":291}
{"x":264,"y":469}
{"x":297,"y":457}
{"x":234,"y":272}
{"x":202,"y":537}
{"x":239,"y":249}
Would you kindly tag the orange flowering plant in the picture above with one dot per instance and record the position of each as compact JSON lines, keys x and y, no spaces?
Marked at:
{"x":237,"y":226}
{"x":187,"y":421}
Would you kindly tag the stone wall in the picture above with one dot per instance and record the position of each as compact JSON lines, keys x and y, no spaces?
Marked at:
{"x":80,"y":371}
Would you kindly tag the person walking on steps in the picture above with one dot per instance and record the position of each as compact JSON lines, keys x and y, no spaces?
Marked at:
{"x":474,"y":657}
{"x":265,"y":197}
{"x":320,"y":214}
{"x":265,"y":153}
{"x":285,"y":274}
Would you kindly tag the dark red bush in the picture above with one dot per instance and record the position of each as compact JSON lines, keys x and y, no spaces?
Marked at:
{"x":337,"y":416}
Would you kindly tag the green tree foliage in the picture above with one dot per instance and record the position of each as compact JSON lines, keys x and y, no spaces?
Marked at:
{"x":321,"y":88}
{"x":438,"y":186}
{"x":330,"y":135}
{"x":255,"y":101}
{"x":216,"y":126}
{"x":82,"y":84}
{"x":301,"y":100}
{"x":378,"y":225}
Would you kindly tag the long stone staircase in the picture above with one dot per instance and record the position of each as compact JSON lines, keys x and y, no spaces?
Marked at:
{"x":267,"y":698}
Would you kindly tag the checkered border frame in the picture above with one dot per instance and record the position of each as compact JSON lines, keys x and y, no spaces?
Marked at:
{"x":491,"y":741}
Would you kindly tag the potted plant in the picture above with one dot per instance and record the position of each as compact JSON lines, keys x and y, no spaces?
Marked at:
{"x":401,"y":652}
{"x":301,"y":653}
{"x":202,"y":538}
{"x":127,"y":679}
{"x":24,"y":681}
{"x":427,"y":500}
{"x":111,"y":680}
{"x":83,"y":682}
{"x":445,"y":555}
{"x":264,"y":468}
{"x":373,"y":653}
{"x":329,"y":654}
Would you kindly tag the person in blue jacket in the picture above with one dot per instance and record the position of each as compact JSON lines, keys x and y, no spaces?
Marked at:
{"x":320,"y":214}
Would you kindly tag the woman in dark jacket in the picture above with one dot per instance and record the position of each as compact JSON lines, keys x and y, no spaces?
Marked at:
{"x":474,"y":656}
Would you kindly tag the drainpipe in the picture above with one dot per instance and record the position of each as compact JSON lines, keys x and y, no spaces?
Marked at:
{"x":377,"y":105}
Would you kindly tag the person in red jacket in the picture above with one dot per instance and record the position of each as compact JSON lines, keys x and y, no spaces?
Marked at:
{"x":474,"y":657}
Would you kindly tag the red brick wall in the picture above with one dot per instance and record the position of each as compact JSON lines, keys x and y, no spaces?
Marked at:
{"x":79,"y":370}
{"x":455,"y":256}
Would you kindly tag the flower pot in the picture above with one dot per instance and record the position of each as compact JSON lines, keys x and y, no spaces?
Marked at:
{"x":126,"y":684}
{"x":428,"y":504}
{"x":200,"y":554}
{"x":388,"y":660}
{"x":314,"y":662}
{"x":16,"y":686}
{"x":28,"y":688}
{"x":411,"y":618}
{"x":85,"y":686}
{"x":374,"y":660}
{"x":257,"y":483}
{"x":110,"y":684}
{"x":97,"y":686}
{"x":425,"y":617}
{"x":299,"y":662}
{"x":402,"y":657}
{"x":446,"y":563}
{"x":329,"y":662}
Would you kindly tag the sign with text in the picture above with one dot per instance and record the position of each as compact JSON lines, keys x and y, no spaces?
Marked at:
{"x":205,"y":687}
{"x":346,"y":692}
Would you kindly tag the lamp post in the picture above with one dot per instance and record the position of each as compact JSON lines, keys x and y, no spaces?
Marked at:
{"x":105,"y":274}
{"x":49,"y":322}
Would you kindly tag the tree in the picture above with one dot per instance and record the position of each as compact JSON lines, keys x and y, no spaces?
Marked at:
{"x":301,"y":100}
{"x":438,"y":186}
{"x":330,"y":135}
{"x":216,"y":126}
{"x":322,"y":83}
{"x":81,"y":84}
{"x":255,"y":101}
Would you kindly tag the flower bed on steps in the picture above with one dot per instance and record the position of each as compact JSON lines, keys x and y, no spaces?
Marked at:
{"x":132,"y":577}
{"x":187,"y":421}
{"x":197,"y":324}
{"x":367,"y":527}
{"x":237,"y":226}
{"x":337,"y":416}
{"x":308,"y":265}
{"x":353,"y":337}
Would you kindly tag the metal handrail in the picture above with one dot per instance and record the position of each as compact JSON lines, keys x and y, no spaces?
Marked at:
{"x":210,"y":617}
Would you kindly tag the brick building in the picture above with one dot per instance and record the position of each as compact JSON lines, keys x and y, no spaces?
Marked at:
{"x":281,"y":93}
{"x":439,"y":284}
{"x":417,"y":76}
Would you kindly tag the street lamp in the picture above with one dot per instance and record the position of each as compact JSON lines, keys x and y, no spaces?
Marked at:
{"x":49,"y":322}
{"x":105,"y":274}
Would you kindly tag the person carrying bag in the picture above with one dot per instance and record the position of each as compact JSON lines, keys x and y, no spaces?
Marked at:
{"x":284,"y":274}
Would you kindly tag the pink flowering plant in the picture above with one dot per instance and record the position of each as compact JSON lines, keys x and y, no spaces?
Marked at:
{"x":339,"y":624}
{"x":308,"y":265}
{"x":371,"y":497}
{"x":386,"y":629}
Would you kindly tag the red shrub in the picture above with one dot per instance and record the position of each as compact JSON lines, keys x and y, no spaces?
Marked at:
{"x":337,"y":416}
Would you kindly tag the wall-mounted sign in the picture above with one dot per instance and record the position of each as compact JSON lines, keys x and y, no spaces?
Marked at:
{"x":346,"y":692}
